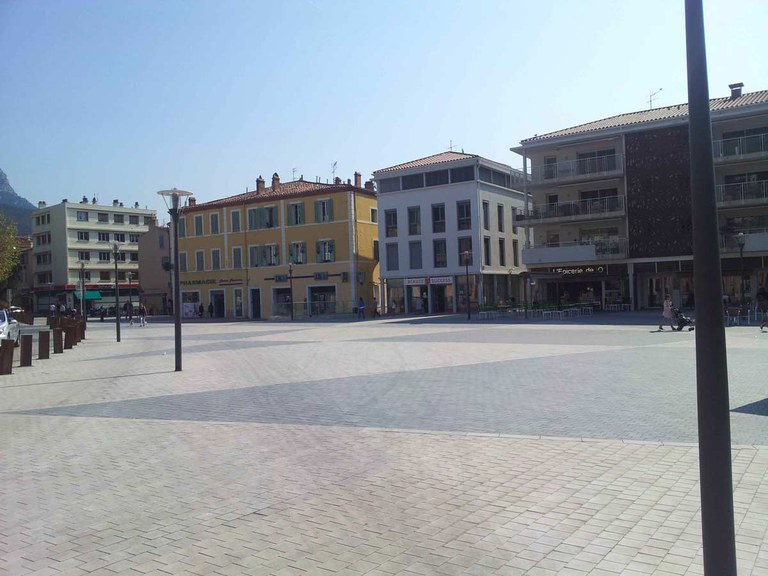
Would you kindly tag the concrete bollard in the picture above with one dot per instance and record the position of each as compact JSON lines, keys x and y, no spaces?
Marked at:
{"x":25,"y":353}
{"x":58,"y":344}
{"x":6,"y":356}
{"x":44,"y":345}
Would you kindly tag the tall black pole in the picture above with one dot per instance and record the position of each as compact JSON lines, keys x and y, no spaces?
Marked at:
{"x":117,"y":298}
{"x":174,"y":212}
{"x":718,"y":534}
{"x":466,"y":263}
{"x":741,"y":265}
{"x":290,"y":283}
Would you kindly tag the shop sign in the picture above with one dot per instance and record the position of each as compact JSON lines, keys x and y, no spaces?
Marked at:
{"x":281,"y":278}
{"x":415,"y":281}
{"x":197,"y":282}
{"x":231,"y":282}
{"x":441,"y":280}
{"x":580,"y":271}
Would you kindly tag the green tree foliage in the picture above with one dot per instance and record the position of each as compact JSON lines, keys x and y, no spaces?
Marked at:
{"x":9,"y":254}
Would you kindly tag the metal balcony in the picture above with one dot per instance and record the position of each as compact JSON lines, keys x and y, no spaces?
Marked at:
{"x":742,"y":194}
{"x":744,"y":148}
{"x":576,"y":170}
{"x":578,"y":251}
{"x":755,"y":240}
{"x":581,"y":210}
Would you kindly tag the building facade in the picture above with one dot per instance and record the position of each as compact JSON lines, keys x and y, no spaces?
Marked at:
{"x":155,"y":270}
{"x":610,"y":219}
{"x":302,"y":246}
{"x":74,"y":240}
{"x":447,"y":228}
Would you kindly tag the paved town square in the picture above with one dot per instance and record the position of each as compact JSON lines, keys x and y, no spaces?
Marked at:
{"x":409,"y":446}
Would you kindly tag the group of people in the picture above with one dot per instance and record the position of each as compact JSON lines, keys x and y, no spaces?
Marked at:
{"x":361,"y":309}
{"x":201,"y":310}
{"x":142,"y":313}
{"x":61,"y":310}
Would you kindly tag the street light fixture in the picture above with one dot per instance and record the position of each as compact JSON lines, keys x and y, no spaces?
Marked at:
{"x":130,"y":289}
{"x":115,"y":252}
{"x":290,"y":284}
{"x":467,"y":254}
{"x":741,"y":240}
{"x":82,"y":288}
{"x":175,"y":212}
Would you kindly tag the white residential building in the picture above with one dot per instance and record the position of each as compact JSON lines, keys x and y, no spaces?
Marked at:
{"x":70,"y":239}
{"x":443,"y":220}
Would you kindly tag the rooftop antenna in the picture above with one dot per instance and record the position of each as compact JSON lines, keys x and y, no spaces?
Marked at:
{"x":651,"y":96}
{"x":293,"y":173}
{"x":334,"y":171}
{"x":451,"y":146}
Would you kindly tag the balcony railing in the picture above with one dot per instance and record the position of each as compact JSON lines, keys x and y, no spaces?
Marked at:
{"x":577,"y":251}
{"x":584,"y":168}
{"x":755,"y":240}
{"x":579,"y":210}
{"x":744,"y":193}
{"x":739,"y":147}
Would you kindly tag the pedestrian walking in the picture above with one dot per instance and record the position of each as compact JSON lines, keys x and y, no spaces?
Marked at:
{"x":62,"y":310}
{"x":52,"y":309}
{"x":142,"y":315}
{"x":361,"y":309}
{"x":201,"y":311}
{"x":210,"y":309}
{"x":668,"y":314}
{"x":375,"y":308}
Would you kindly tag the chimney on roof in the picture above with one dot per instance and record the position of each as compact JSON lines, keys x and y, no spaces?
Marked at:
{"x":275,"y":181}
{"x":84,"y":200}
{"x":349,"y":181}
{"x":41,"y":204}
{"x":259,"y":185}
{"x":93,"y":200}
{"x":736,"y":90}
{"x":337,"y":180}
{"x":358,"y":180}
{"x":136,"y":205}
{"x":115,"y":202}
{"x":64,"y":200}
{"x":369,"y":185}
{"x":192,"y":201}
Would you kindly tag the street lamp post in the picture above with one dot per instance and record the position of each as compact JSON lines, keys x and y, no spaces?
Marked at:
{"x":130,"y":289}
{"x":82,"y":289}
{"x":741,"y":240}
{"x":467,"y":255}
{"x":175,"y":212}
{"x":115,"y":252}
{"x":290,"y":284}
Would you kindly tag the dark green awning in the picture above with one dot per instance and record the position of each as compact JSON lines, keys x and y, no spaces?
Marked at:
{"x":92,"y":295}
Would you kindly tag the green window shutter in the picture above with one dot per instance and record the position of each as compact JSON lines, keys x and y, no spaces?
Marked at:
{"x":291,"y":218}
{"x":277,"y":255}
{"x":318,"y":248}
{"x":317,"y":211}
{"x":301,"y":214}
{"x":332,"y":250}
{"x":330,"y":210}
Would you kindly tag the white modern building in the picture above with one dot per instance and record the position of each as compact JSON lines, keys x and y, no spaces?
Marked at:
{"x":73,"y":239}
{"x":447,"y":221}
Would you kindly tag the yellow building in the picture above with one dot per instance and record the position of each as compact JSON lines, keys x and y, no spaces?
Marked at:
{"x":299,"y":245}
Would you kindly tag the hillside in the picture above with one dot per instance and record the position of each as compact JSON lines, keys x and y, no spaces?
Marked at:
{"x":15,"y":207}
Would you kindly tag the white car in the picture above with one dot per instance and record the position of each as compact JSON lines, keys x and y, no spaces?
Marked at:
{"x":9,"y":327}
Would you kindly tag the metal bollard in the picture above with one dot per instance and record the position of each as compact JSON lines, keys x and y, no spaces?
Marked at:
{"x":44,"y":345}
{"x":25,"y":353}
{"x":6,"y":356}
{"x":58,"y":344}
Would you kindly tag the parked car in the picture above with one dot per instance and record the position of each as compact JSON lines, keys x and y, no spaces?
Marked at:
{"x":16,"y":310}
{"x":9,"y":327}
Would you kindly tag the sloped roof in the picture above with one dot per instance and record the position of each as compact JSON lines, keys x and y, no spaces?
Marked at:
{"x":429,"y":161}
{"x":283,"y":190}
{"x":655,"y":114}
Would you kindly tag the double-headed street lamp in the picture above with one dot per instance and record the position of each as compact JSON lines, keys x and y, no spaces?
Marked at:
{"x":175,"y":212}
{"x":467,"y":254}
{"x":290,"y":284}
{"x":741,"y":240}
{"x":115,"y":253}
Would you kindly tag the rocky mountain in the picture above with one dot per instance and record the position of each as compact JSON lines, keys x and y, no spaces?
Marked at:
{"x":15,"y":207}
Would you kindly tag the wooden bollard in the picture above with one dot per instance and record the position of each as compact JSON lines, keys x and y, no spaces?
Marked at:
{"x":44,"y":345}
{"x":69,"y":338}
{"x":83,"y":326}
{"x":58,"y":344}
{"x":26,"y":350}
{"x":6,"y":356}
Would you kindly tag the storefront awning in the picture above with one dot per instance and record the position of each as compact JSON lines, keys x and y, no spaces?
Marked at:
{"x":92,"y":295}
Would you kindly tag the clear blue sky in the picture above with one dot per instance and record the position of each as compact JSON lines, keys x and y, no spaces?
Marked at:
{"x":120,"y":99}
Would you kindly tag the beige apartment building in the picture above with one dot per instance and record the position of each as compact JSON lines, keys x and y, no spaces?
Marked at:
{"x":608,"y":205}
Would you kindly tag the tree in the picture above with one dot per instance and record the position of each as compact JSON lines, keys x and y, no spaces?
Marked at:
{"x":9,"y":254}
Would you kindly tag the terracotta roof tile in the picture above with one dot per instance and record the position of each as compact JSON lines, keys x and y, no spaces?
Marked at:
{"x":429,"y":161}
{"x":655,"y":114}
{"x":284,"y":190}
